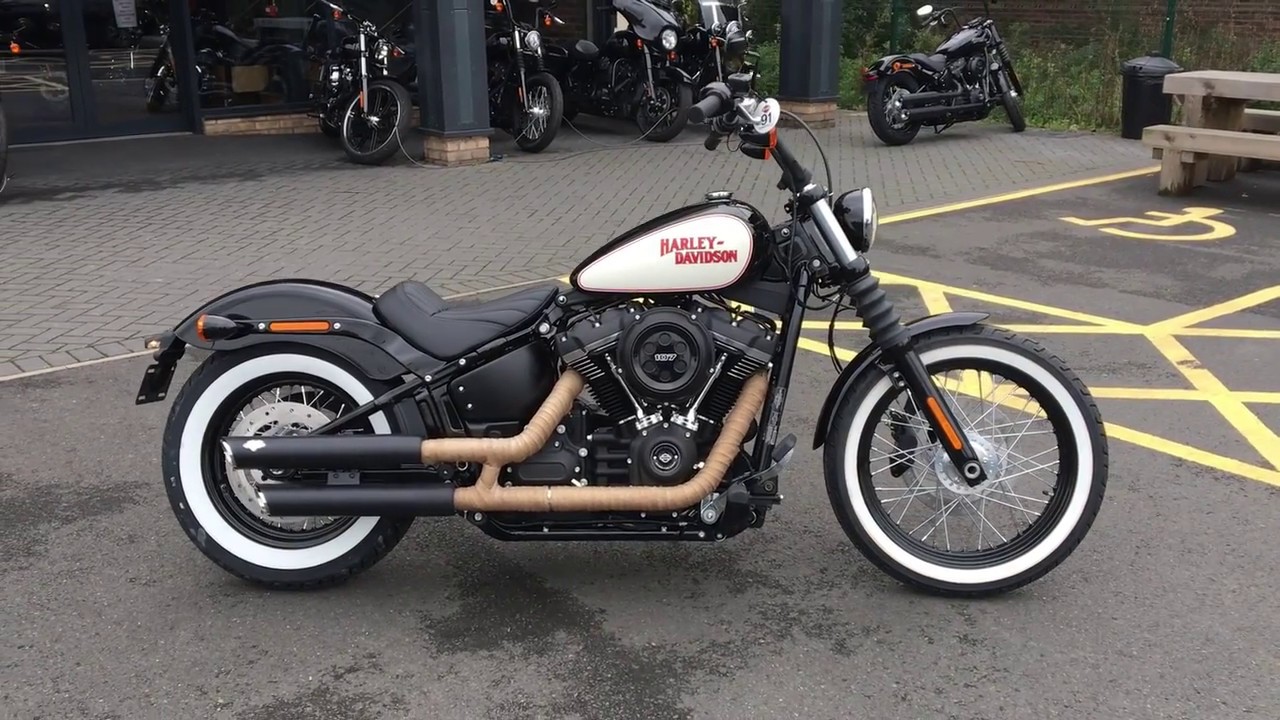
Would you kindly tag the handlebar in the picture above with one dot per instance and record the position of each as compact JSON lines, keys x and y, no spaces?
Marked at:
{"x":716,"y":103}
{"x":724,"y":108}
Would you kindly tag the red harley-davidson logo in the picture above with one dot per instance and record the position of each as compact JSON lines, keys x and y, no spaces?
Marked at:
{"x":697,"y":250}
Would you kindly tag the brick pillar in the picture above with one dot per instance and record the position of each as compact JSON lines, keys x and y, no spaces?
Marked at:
{"x":452,"y":82}
{"x":809,"y":81}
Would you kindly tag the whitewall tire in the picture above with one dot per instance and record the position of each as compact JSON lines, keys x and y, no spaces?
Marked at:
{"x":1051,"y":535}
{"x":201,"y":491}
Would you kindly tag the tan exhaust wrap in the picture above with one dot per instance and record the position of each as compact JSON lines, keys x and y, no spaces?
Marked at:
{"x":501,"y":451}
{"x":487,"y":496}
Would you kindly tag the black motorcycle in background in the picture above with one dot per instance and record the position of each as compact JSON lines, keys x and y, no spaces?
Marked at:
{"x":524,"y":99}
{"x":218,"y":49}
{"x":969,"y":75}
{"x":719,"y":45}
{"x":363,"y":92}
{"x":636,"y":75}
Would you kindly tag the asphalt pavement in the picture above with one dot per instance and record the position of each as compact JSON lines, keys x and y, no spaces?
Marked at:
{"x":1167,"y":610}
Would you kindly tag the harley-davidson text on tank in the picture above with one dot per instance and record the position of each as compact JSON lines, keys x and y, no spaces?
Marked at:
{"x":709,"y":252}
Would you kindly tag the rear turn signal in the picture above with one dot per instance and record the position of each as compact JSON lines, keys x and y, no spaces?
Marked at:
{"x":299,"y":326}
{"x":215,"y":327}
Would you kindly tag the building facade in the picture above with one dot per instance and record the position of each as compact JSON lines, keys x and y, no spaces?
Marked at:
{"x":80,"y":69}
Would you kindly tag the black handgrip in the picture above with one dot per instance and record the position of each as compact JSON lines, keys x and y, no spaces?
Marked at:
{"x":714,"y":102}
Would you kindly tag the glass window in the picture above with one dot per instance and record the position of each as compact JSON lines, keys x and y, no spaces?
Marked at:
{"x":33,"y":64}
{"x":260,"y":52}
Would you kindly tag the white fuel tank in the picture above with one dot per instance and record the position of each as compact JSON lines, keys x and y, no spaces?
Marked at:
{"x":700,"y":249}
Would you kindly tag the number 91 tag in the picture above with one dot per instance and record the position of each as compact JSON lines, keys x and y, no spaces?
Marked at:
{"x":766,"y":119}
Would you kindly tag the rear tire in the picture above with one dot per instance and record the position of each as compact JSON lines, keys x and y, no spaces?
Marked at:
{"x":367,"y":143}
{"x":204,"y":493}
{"x":878,"y":109}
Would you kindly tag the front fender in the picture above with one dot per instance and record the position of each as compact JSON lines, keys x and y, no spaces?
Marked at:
{"x":865,"y":361}
{"x":672,"y":72}
{"x":381,"y":358}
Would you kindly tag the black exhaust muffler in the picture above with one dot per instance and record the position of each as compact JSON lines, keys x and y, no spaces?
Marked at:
{"x":946,"y":112}
{"x":324,"y":452}
{"x":920,"y":99}
{"x":356,"y":500}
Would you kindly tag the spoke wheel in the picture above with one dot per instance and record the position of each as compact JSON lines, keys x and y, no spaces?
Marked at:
{"x":369,"y":132}
{"x":1038,"y":435}
{"x":538,"y":119}
{"x":280,"y":406}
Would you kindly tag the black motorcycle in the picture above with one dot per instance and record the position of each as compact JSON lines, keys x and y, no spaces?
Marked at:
{"x":643,"y":403}
{"x":963,"y":80}
{"x":637,"y":75}
{"x":524,"y":99}
{"x":218,"y":51}
{"x":719,"y":45}
{"x":363,"y":91}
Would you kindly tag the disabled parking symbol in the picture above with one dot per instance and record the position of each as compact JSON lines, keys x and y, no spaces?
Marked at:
{"x":1165,"y":226}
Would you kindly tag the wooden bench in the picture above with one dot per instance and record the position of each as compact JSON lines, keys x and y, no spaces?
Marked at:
{"x":1259,"y":121}
{"x":1183,"y":149}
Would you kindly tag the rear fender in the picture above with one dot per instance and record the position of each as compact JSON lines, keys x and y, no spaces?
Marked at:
{"x":866,"y":361}
{"x":361,"y":340}
{"x":888,"y":65}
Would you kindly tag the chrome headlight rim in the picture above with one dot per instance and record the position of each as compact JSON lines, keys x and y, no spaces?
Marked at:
{"x":382,"y":52}
{"x":669,"y":39}
{"x":870,"y":218}
{"x":533,"y":41}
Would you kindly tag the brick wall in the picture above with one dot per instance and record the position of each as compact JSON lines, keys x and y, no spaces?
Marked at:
{"x":1073,"y":18}
{"x":291,"y":124}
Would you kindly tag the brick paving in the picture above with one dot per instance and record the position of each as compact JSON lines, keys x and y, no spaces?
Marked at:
{"x":105,"y":243}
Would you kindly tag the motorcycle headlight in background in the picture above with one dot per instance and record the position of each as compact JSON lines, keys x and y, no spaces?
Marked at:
{"x":382,"y":51}
{"x":858,"y":218}
{"x":669,"y":39}
{"x":533,"y":41}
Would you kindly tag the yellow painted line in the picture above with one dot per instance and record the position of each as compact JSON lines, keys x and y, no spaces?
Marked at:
{"x":1260,"y":397}
{"x":1241,"y":418}
{"x":1227,"y":333}
{"x":1195,"y":317}
{"x":935,"y":299}
{"x":1194,"y":454}
{"x":1012,"y":302}
{"x":1018,"y":195}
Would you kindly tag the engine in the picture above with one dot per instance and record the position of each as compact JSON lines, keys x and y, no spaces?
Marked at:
{"x":660,"y":381}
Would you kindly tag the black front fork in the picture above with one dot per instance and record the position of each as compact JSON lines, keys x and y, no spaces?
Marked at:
{"x":885,"y":327}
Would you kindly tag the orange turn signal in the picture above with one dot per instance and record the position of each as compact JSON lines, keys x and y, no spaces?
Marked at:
{"x":14,"y":48}
{"x":299,"y":326}
{"x":200,"y":328}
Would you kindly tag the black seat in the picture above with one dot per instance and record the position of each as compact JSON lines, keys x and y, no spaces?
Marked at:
{"x":584,"y":50}
{"x":932,"y":63}
{"x":428,"y":322}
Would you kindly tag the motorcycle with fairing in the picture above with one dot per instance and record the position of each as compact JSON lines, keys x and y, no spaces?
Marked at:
{"x":719,"y":45}
{"x":636,"y":75}
{"x":524,"y":99}
{"x":643,"y":402}
{"x":969,"y":75}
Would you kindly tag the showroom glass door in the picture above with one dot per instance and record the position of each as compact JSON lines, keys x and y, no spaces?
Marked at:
{"x":73,"y":69}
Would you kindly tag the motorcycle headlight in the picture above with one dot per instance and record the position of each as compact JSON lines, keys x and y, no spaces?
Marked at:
{"x":669,"y":39}
{"x":856,"y":212}
{"x":382,"y":51}
{"x":533,"y":41}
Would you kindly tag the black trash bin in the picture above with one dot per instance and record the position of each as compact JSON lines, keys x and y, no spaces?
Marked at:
{"x":1143,"y":102}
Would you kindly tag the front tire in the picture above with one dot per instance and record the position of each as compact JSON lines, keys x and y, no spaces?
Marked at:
{"x":1056,"y":519}
{"x":538,"y":118}
{"x":881,"y":110}
{"x":209,"y":499}
{"x":1012,"y":101}
{"x":373,"y":134}
{"x":666,"y":115}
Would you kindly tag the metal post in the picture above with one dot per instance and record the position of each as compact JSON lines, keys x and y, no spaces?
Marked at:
{"x":809,"y":72}
{"x":895,"y":25}
{"x":451,"y":80}
{"x":1166,"y":45}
